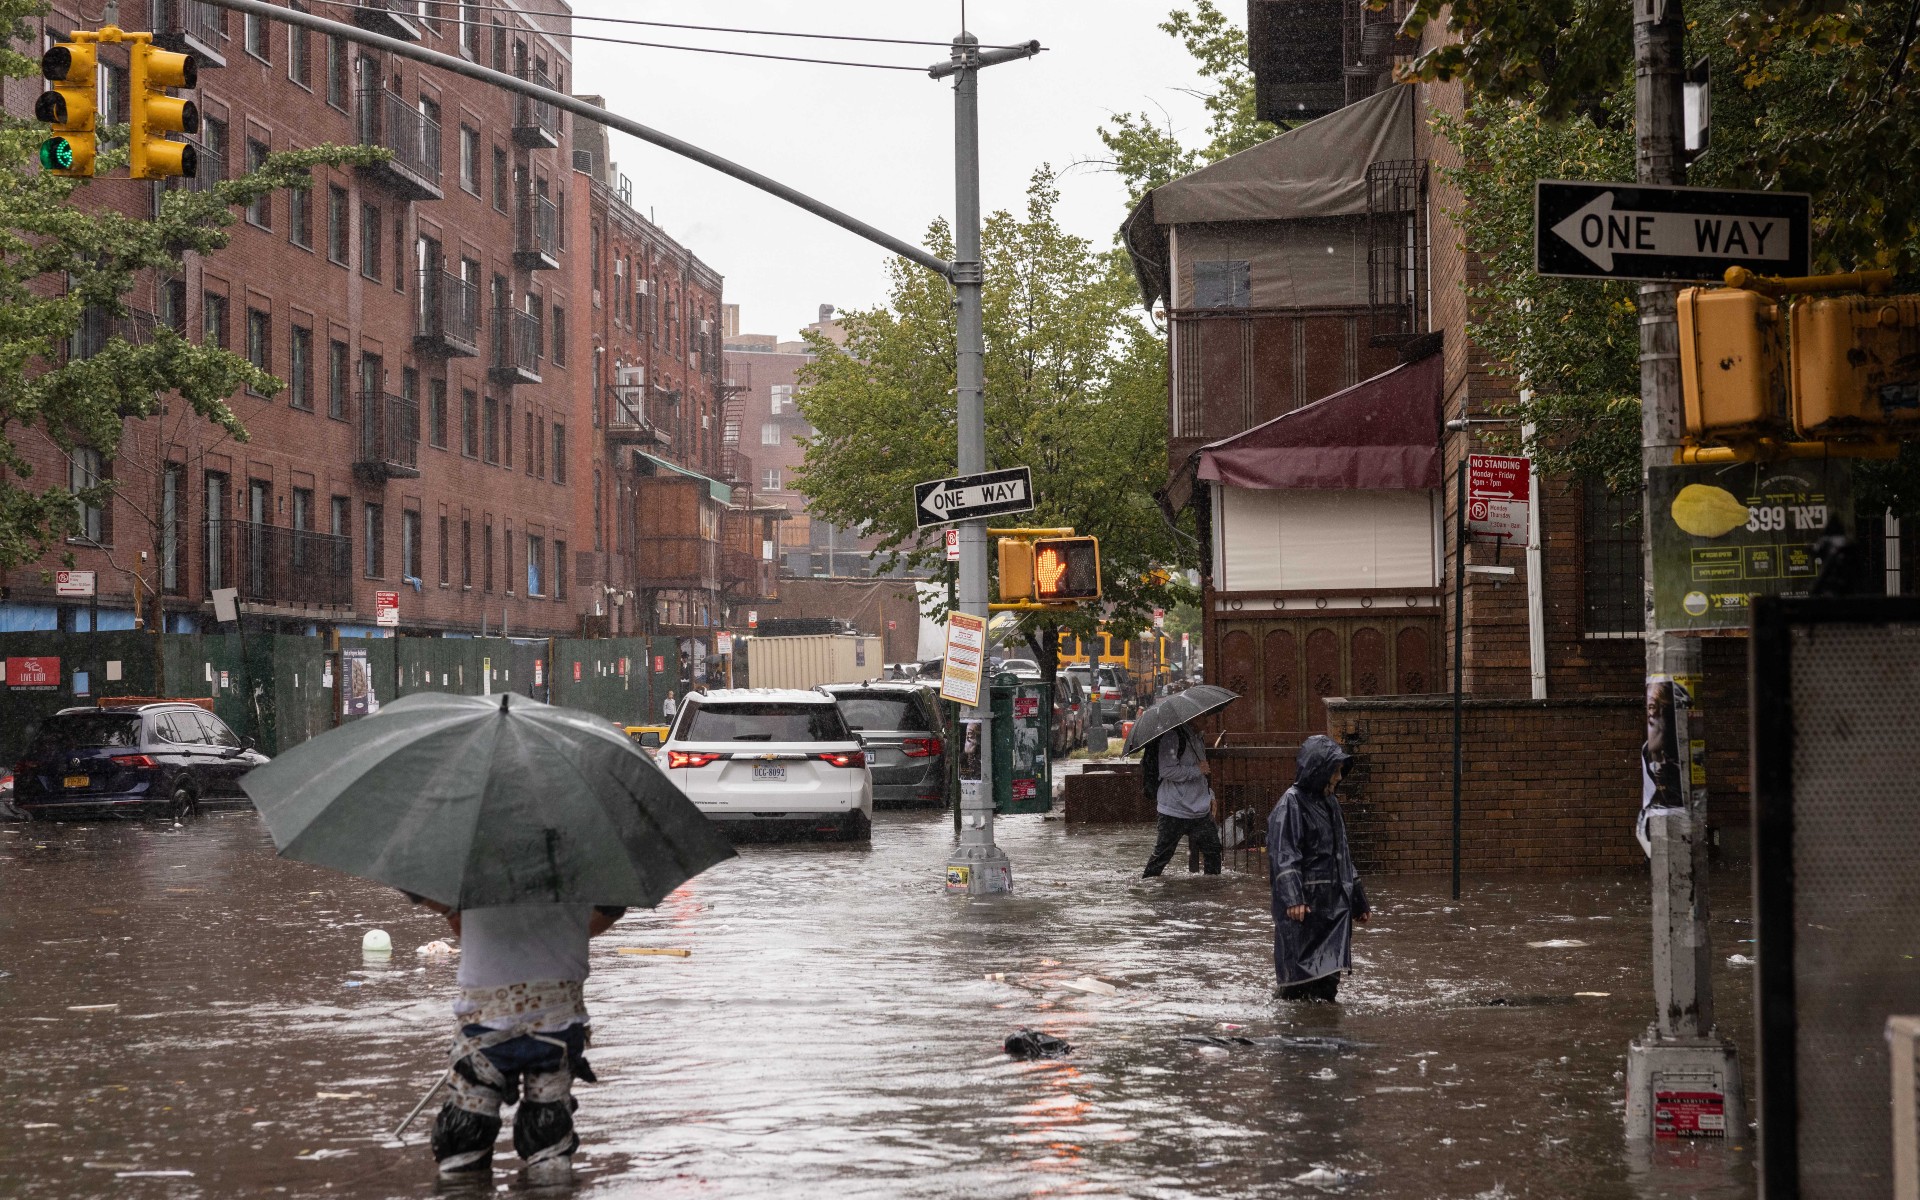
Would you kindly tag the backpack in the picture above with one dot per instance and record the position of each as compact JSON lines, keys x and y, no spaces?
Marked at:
{"x":1150,"y":763}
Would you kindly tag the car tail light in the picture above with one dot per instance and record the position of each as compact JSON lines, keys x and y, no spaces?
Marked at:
{"x":844,"y":758}
{"x":131,"y":760}
{"x":689,"y":758}
{"x":920,"y":747}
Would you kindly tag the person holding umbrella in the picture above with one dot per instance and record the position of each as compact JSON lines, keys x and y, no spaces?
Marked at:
{"x":533,"y":828}
{"x":1174,"y":769}
{"x":1317,"y":896}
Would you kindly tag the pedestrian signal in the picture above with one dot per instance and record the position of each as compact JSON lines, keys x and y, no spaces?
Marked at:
{"x":155,"y":114}
{"x":1066,"y":569}
{"x":68,"y":106}
{"x":1016,"y":570}
{"x":1856,"y":366}
{"x":1733,"y":358}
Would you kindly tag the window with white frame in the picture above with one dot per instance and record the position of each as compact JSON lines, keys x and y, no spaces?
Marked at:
{"x":770,"y":479}
{"x":782,"y":398}
{"x":770,"y":434}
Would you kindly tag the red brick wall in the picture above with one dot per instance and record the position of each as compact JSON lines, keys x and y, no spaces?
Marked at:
{"x":1550,"y":785}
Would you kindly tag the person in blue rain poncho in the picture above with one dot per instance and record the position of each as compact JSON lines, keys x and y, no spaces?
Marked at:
{"x":1317,"y":896}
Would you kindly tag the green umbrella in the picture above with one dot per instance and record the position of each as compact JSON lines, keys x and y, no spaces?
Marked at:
{"x":474,"y":801}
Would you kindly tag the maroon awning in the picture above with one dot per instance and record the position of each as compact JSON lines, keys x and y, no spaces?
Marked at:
{"x":1381,"y":433}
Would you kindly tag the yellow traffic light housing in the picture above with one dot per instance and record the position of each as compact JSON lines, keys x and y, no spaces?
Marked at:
{"x":1016,"y":570}
{"x":1066,"y":570}
{"x":1856,"y":366}
{"x":155,"y":114}
{"x":69,"y":107}
{"x":1733,"y":357}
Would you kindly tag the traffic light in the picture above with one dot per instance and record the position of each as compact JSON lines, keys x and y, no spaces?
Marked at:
{"x":1856,"y":366}
{"x":1733,"y":357}
{"x":68,"y":107}
{"x":1066,"y":569}
{"x":1016,"y":570}
{"x":155,"y":114}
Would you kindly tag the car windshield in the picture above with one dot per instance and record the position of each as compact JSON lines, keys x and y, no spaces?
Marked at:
{"x":84,"y":731}
{"x":1020,"y":664}
{"x":882,"y":710}
{"x":766,"y":721}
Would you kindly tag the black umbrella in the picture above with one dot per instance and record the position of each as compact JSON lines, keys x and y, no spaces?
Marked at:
{"x":1176,"y":710}
{"x":475,"y":801}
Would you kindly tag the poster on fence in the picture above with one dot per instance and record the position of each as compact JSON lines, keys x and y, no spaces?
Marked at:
{"x":356,"y":698}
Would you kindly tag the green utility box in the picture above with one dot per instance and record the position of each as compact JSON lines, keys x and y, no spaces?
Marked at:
{"x":1022,"y":742}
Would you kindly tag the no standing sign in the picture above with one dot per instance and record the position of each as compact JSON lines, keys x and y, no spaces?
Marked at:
{"x":1499,"y":490}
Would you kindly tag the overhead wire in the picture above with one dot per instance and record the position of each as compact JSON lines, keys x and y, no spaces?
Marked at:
{"x":792,"y":33}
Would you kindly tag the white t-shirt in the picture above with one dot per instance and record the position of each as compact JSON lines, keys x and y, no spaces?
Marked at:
{"x":523,"y":943}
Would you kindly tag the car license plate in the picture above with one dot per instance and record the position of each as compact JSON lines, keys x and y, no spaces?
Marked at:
{"x":74,"y":781}
{"x":770,"y":774}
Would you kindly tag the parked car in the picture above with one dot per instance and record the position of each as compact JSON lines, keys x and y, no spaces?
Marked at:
{"x":648,"y":737}
{"x":901,"y":726}
{"x":1116,"y":695}
{"x":7,"y":811}
{"x":1069,"y":713}
{"x":1019,"y":666}
{"x":165,"y":758}
{"x":771,"y":761}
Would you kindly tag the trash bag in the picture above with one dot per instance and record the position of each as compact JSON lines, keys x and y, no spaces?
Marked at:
{"x":1029,"y":1044}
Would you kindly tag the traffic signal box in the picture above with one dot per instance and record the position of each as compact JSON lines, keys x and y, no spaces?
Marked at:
{"x":1049,"y":570}
{"x":155,"y":114}
{"x":68,"y":106}
{"x":1775,"y":360}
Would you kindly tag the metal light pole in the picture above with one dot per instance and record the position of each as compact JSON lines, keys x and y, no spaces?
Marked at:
{"x":1681,"y":1051}
{"x":975,"y":857}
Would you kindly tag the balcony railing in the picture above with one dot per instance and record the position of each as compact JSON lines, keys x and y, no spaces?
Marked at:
{"x":194,"y":27}
{"x":213,"y":168}
{"x":389,"y":438}
{"x":283,"y":567}
{"x":389,"y":17}
{"x":628,"y":420}
{"x":516,"y":347}
{"x":446,"y":314}
{"x":536,"y":245}
{"x":387,"y":120}
{"x":98,"y":326}
{"x":536,"y":123}
{"x":735,"y":467}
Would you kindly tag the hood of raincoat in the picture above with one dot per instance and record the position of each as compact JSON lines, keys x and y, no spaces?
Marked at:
{"x":1319,"y":755}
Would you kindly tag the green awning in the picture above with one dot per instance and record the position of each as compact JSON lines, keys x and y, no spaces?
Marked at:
{"x":720,"y":491}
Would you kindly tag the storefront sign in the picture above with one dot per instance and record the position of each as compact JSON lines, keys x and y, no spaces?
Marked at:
{"x":1723,"y":535}
{"x":39,"y":673}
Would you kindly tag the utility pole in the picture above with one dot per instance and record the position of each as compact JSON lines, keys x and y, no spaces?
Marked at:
{"x":986,"y":868}
{"x":1681,"y":1052}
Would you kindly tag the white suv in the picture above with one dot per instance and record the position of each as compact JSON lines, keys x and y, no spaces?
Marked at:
{"x":779,"y":760}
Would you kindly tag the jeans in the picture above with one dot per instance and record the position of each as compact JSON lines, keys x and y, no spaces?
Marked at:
{"x":1201,"y":835}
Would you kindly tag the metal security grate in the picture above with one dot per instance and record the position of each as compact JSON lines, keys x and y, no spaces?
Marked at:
{"x":1614,"y":567}
{"x":1397,"y":248}
{"x":1837,"y":808}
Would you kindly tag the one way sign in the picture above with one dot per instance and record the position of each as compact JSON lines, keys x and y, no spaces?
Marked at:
{"x":940,"y":501}
{"x":1621,"y":231}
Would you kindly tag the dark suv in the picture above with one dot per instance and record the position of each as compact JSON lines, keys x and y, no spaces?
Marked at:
{"x":160,"y":759}
{"x":900,"y":724}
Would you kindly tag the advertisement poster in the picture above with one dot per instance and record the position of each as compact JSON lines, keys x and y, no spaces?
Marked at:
{"x":1671,"y":763}
{"x":965,"y":658}
{"x":970,"y":762}
{"x":42,"y":674}
{"x":356,"y":698}
{"x":1723,"y":535}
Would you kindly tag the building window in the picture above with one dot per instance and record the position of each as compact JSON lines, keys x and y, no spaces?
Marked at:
{"x":83,"y":475}
{"x":213,"y":143}
{"x":112,"y":99}
{"x":443,"y":549}
{"x":533,"y":443}
{"x":506,"y":434}
{"x":370,"y":240}
{"x":470,"y":29}
{"x":501,"y":176}
{"x":399,"y":253}
{"x":559,"y":336}
{"x":1613,"y":570}
{"x":300,"y":217}
{"x":536,"y":555}
{"x":303,"y":523}
{"x":466,"y":550}
{"x":337,"y":224}
{"x":216,"y":560}
{"x":559,"y":569}
{"x":339,"y":522}
{"x":770,"y":434}
{"x":490,"y":423}
{"x":437,"y":413}
{"x":469,"y":423}
{"x":337,"y":73}
{"x":1225,"y":283}
{"x":506,"y":557}
{"x":781,"y":398}
{"x":299,"y":64}
{"x":173,"y":514}
{"x":173,"y":305}
{"x":486,"y":555}
{"x":470,"y":159}
{"x":337,"y":384}
{"x":256,"y":37}
{"x":260,"y":212}
{"x":259,"y":342}
{"x":599,"y":526}
{"x":559,"y":452}
{"x":213,"y":320}
{"x":410,"y":545}
{"x":770,"y":479}
{"x":375,"y":533}
{"x":300,"y":368}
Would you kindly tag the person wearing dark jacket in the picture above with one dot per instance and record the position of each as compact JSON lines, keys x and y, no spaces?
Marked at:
{"x":1317,"y":897}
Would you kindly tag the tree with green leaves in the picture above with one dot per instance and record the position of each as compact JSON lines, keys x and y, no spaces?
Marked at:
{"x":1075,"y":390}
{"x":83,"y":366}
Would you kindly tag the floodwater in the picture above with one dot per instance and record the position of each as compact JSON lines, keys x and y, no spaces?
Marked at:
{"x":834,"y":1032}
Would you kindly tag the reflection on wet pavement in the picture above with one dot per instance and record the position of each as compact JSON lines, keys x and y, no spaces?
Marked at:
{"x":178,"y":1000}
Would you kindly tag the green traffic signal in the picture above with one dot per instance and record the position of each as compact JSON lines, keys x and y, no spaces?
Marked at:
{"x":56,"y":154}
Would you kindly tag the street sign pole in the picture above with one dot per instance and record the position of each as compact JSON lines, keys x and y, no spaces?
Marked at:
{"x":1681,"y":1052}
{"x":977,"y":866}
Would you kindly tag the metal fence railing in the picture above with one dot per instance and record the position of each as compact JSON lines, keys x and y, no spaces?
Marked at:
{"x":387,"y":120}
{"x":270,"y":564}
{"x":389,"y":433}
{"x":447,"y":310}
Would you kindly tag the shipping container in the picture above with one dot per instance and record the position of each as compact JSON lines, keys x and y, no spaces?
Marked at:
{"x":804,"y":662}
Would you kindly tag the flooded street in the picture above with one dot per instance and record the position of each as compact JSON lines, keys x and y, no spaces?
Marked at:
{"x":179,"y":1000}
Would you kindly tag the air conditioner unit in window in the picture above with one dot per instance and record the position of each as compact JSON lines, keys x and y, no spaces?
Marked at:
{"x":706,"y":327}
{"x":630,"y":376}
{"x":643,"y":288}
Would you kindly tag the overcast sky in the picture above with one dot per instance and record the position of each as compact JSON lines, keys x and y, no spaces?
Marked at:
{"x":876,"y":144}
